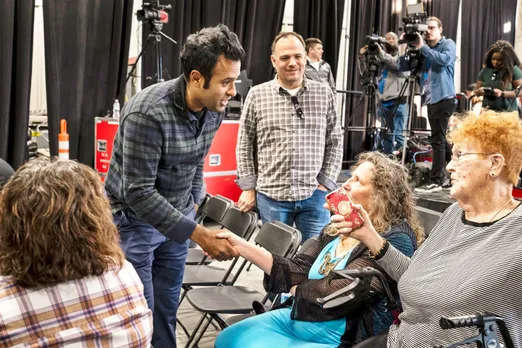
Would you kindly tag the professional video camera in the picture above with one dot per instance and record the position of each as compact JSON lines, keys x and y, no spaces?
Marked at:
{"x":153,"y":11}
{"x":374,"y":42}
{"x":414,"y":24}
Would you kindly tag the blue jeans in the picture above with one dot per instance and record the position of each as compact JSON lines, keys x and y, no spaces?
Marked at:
{"x":160,"y":263}
{"x":393,"y":139}
{"x":308,"y":214}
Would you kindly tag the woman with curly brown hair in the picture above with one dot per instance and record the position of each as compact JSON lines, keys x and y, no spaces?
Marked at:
{"x":499,"y":77}
{"x":63,"y":277}
{"x":378,"y":184}
{"x":472,"y":260}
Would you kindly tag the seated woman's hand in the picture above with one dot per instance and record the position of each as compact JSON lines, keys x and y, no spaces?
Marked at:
{"x":233,"y":239}
{"x":366,"y":233}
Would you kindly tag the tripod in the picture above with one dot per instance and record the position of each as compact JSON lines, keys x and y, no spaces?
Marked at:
{"x":409,"y":86}
{"x":155,"y":34}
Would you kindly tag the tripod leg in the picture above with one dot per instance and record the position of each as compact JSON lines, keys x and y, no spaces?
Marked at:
{"x":411,"y":99}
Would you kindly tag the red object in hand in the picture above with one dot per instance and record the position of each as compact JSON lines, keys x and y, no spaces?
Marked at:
{"x":341,"y":204}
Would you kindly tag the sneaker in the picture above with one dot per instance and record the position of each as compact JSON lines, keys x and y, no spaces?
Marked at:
{"x":446,"y":183}
{"x":428,"y":188}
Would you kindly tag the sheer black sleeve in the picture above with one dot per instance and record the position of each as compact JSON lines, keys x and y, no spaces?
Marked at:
{"x":307,"y":308}
{"x":286,"y":272}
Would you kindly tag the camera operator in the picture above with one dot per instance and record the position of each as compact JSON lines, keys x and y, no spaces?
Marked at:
{"x":438,"y":56}
{"x":391,"y":81}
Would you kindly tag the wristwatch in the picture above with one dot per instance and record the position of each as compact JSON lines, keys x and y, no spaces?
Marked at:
{"x":502,"y":95}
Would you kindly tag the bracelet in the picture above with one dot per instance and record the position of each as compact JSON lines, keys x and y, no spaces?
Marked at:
{"x":382,"y":251}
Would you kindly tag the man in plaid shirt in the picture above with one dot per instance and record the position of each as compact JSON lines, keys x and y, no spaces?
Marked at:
{"x":289,"y":150}
{"x":156,"y":172}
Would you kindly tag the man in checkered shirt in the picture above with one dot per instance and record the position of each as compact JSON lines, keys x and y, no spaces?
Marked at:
{"x":289,"y":150}
{"x":155,"y":178}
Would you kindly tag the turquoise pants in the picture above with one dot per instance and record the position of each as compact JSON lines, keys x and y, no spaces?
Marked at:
{"x":276,"y":329}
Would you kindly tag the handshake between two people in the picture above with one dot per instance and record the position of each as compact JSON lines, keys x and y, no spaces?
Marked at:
{"x":223,"y":245}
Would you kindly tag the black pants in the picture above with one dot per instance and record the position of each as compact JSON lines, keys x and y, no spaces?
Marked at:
{"x":438,"y":115}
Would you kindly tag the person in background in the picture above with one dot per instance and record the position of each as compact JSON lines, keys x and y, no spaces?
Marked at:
{"x":316,"y":68}
{"x":391,"y":83}
{"x":289,"y":149}
{"x":6,"y":171}
{"x":64,"y":281}
{"x":380,"y":185}
{"x":155,"y":177}
{"x":472,"y":260}
{"x":498,"y":80}
{"x":437,"y":68}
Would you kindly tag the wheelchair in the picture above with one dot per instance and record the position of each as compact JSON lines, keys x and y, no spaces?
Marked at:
{"x":484,"y":322}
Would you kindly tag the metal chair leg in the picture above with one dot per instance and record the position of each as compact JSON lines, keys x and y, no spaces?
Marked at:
{"x":180,"y":324}
{"x":202,"y":332}
{"x":191,"y":338}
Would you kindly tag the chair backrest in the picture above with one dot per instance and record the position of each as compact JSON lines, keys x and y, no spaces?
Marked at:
{"x":307,"y":244}
{"x":297,"y":237}
{"x":216,"y":208}
{"x":278,"y":238}
{"x":242,"y":224}
{"x":429,"y":218}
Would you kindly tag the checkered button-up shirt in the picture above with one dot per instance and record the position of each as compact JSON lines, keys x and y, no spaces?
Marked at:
{"x":105,"y":311}
{"x":281,"y":154}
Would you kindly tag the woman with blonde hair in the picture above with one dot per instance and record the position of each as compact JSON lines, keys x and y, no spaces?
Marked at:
{"x":63,"y":278}
{"x":380,"y":186}
{"x":472,"y":261}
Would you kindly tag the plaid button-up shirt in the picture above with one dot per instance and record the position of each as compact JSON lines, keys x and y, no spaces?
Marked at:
{"x":157,"y":162}
{"x":281,"y":154}
{"x":105,"y":311}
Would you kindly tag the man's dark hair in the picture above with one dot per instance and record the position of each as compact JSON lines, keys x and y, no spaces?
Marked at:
{"x":203,"y":49}
{"x":311,"y":42}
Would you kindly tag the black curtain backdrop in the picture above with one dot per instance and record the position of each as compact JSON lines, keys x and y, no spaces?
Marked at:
{"x":482,"y":25}
{"x":16,"y":40}
{"x":323,"y":20}
{"x":367,"y":17}
{"x":448,"y":13}
{"x":256,"y":22}
{"x":86,"y":52}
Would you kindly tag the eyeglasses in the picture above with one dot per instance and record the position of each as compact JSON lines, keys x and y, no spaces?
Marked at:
{"x":457,"y":155}
{"x":298,"y":110}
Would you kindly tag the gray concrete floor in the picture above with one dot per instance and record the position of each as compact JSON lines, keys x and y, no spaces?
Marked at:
{"x":190,"y":317}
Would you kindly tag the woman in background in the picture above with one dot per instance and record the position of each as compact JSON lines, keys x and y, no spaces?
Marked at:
{"x":502,"y":75}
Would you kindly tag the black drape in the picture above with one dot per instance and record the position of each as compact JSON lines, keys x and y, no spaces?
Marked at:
{"x":86,"y":52}
{"x":448,"y":13}
{"x":323,"y":20}
{"x":255,"y":22}
{"x":16,"y":40}
{"x":367,"y":17}
{"x":482,"y":25}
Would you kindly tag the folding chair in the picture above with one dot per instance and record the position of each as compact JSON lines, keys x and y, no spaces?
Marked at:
{"x":237,"y":318}
{"x":201,"y":274}
{"x":279,"y":240}
{"x":214,"y":209}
